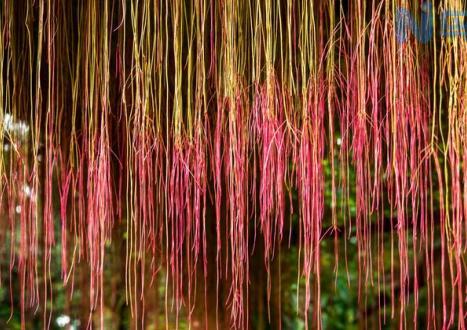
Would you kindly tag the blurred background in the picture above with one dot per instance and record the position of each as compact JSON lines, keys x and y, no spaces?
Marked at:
{"x":341,"y":306}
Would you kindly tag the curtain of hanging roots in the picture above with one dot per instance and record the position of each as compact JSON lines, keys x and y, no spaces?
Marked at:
{"x":154,"y":113}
